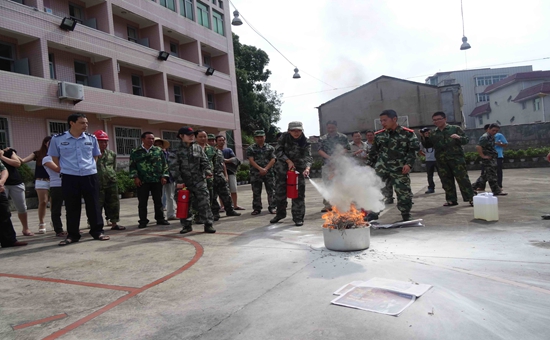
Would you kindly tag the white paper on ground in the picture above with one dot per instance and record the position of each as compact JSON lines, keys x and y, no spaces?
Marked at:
{"x":415,"y":289}
{"x":375,"y":300}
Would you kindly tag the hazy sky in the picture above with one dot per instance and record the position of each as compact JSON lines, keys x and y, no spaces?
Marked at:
{"x":347,"y":43}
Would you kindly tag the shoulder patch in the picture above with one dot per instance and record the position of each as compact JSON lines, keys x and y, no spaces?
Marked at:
{"x":377,"y":132}
{"x":59,"y":134}
{"x":407,"y":129}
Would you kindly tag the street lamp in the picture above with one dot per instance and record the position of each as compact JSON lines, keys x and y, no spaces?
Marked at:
{"x":465,"y":44}
{"x":296,"y":74}
{"x":236,"y":20}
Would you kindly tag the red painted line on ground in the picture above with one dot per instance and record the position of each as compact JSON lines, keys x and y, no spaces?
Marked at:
{"x":37,"y":322}
{"x":69,"y":282}
{"x":199,"y":251}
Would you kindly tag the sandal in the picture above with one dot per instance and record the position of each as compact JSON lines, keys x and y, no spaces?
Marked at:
{"x":102,"y":237}
{"x":256,"y":212}
{"x":450,"y":204}
{"x":28,"y":233}
{"x":62,"y":234}
{"x":118,"y":227}
{"x":66,"y":242}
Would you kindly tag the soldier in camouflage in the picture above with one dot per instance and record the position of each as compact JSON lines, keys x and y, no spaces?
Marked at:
{"x":217,"y":184}
{"x":293,"y":152}
{"x":190,"y":168}
{"x":262,"y":158}
{"x":149,"y":169}
{"x":392,"y":156}
{"x":327,"y":146}
{"x":447,"y":141}
{"x":109,"y":199}
{"x":486,"y":150}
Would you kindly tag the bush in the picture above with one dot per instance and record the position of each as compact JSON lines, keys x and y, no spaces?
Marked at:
{"x":317,"y":165}
{"x":532,"y":152}
{"x":510,"y":154}
{"x":243,"y":176}
{"x":520,"y":153}
{"x":244,"y":167}
{"x":471,"y":156}
{"x":422,"y":158}
{"x":125,"y":182}
{"x":26,"y":173}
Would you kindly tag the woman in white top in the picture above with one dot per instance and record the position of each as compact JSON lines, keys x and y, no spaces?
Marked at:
{"x":56,"y":195}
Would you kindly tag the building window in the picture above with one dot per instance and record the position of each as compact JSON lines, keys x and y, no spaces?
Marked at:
{"x":127,"y":139}
{"x":136,"y":85}
{"x":7,"y":57}
{"x":172,"y":137}
{"x":523,"y":106}
{"x":76,"y":12}
{"x":52,"y":65}
{"x":178,"y":98}
{"x":206,"y":60}
{"x":480,"y":120}
{"x":217,"y":22}
{"x":213,"y":2}
{"x":4,"y":133}
{"x":203,"y":15}
{"x":133,"y":34}
{"x":186,"y":8}
{"x":489,"y":80}
{"x":536,"y":104}
{"x":210,"y":100}
{"x":220,"y":3}
{"x":174,"y":49}
{"x":482,"y":97}
{"x":81,"y":72}
{"x":170,"y":4}
{"x":57,"y":126}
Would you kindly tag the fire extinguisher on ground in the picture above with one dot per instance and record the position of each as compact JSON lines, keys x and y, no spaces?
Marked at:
{"x":183,"y":203}
{"x":292,"y":184}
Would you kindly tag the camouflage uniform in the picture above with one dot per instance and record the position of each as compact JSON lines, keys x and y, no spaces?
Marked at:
{"x":219,"y":184}
{"x":108,"y":188}
{"x":189,"y":165}
{"x":299,"y":152}
{"x":262,"y":156}
{"x":487,"y":143}
{"x":328,"y":145}
{"x":451,"y":165}
{"x":391,"y":150}
{"x":150,"y":167}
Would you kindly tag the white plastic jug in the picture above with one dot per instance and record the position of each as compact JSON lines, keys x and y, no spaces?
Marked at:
{"x":486,"y":207}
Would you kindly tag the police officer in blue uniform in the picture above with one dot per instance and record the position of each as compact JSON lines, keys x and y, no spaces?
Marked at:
{"x":75,"y":152}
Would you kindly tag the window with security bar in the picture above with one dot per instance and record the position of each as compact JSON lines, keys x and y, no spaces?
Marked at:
{"x":57,"y":126}
{"x":127,"y":139}
{"x":172,"y":137}
{"x":4,"y":133}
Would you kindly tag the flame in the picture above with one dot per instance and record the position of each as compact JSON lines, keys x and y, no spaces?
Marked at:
{"x":335,"y":219}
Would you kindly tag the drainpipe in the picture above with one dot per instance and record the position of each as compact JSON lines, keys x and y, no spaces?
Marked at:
{"x":543,"y":110}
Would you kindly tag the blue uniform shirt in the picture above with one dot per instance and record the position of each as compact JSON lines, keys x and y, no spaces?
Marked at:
{"x":499,"y":138}
{"x":76,"y":155}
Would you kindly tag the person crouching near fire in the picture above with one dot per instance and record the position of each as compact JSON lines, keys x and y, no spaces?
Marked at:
{"x":293,"y":152}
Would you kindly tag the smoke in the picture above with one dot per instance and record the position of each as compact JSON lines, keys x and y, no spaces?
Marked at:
{"x":346,"y":182}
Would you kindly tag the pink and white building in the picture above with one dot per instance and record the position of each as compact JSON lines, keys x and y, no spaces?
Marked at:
{"x":113,"y":52}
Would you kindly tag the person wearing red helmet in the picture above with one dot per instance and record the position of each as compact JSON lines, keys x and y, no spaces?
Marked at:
{"x":108,"y":188}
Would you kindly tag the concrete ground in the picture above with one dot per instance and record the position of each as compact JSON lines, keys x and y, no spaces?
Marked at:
{"x":255,"y":280}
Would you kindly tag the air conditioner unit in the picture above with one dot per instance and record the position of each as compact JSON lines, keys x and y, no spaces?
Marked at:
{"x":71,"y":91}
{"x":48,"y":10}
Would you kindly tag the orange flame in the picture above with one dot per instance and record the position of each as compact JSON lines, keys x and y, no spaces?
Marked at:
{"x":335,"y":219}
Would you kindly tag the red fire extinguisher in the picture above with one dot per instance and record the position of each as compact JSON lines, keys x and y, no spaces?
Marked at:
{"x":292,"y":184}
{"x":183,"y":203}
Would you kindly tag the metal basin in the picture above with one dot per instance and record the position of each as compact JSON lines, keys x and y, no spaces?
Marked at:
{"x":347,"y":240}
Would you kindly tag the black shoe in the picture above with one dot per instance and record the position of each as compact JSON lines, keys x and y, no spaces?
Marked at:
{"x":232,"y":213}
{"x":276,"y":219}
{"x":389,"y":200}
{"x":430,"y":191}
{"x":186,"y":230}
{"x":406,"y":217}
{"x":163,"y":222}
{"x":216,"y":217}
{"x":209,"y":229}
{"x":546,"y":217}
{"x":299,"y":223}
{"x":142,"y":225}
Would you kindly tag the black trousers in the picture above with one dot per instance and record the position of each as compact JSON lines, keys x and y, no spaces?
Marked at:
{"x":499,"y":171}
{"x":74,"y":188}
{"x":7,"y":233}
{"x":56,"y":204}
{"x":431,"y":167}
{"x":143,"y":196}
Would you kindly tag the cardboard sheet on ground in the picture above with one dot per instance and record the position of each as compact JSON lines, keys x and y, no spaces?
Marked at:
{"x":375,"y":300}
{"x":380,"y":295}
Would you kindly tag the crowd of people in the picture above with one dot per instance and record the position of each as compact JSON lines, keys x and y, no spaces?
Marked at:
{"x":77,"y":165}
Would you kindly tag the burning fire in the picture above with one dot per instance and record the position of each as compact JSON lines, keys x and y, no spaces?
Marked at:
{"x":352,"y":218}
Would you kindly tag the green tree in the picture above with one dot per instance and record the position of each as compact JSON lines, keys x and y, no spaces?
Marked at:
{"x":259,"y":105}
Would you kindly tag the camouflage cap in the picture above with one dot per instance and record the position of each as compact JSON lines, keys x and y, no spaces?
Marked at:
{"x":295,"y":126}
{"x":259,"y":133}
{"x":211,"y":136}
